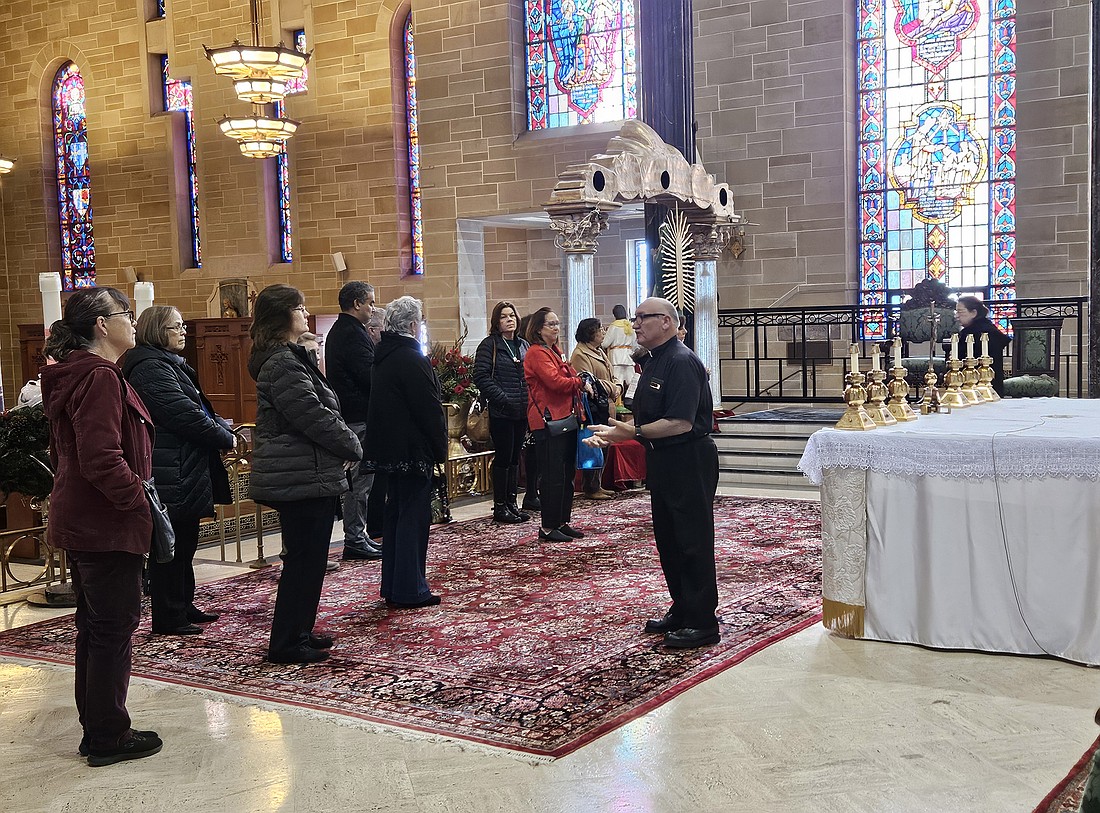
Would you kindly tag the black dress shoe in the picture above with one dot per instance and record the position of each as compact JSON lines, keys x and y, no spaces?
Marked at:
{"x":523,"y":515}
{"x":689,"y":638}
{"x":533,"y":504}
{"x":300,"y":654}
{"x":197,"y":616}
{"x":571,"y":532}
{"x":364,"y":552}
{"x":503,"y":515}
{"x":553,"y":536}
{"x":82,"y":749}
{"x":319,"y":641}
{"x":186,"y":629}
{"x":664,"y":624}
{"x":430,"y":601}
{"x":139,"y":744}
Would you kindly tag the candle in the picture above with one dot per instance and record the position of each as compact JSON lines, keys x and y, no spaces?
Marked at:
{"x":985,"y":344}
{"x":954,"y":345}
{"x":897,"y":351}
{"x":143,"y":296}
{"x":970,"y":346}
{"x":854,"y":351}
{"x":49,"y":285}
{"x":875,"y":351}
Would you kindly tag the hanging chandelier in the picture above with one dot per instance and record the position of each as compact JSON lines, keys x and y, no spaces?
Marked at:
{"x":259,"y":136}
{"x":259,"y":72}
{"x":6,"y":165}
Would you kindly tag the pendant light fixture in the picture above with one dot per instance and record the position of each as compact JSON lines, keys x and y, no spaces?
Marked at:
{"x":6,"y":165}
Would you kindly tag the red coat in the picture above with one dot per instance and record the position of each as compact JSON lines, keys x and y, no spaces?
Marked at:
{"x":551,"y":384}
{"x":101,"y":444}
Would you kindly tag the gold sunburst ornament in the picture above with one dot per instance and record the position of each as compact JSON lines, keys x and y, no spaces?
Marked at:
{"x":677,"y":262}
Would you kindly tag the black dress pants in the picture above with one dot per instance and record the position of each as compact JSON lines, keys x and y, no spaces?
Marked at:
{"x":682,"y":480}
{"x":405,"y":540}
{"x":376,"y":506}
{"x":108,"y":608}
{"x":557,"y":463}
{"x":172,"y":584}
{"x":307,"y":530}
{"x":507,"y":437}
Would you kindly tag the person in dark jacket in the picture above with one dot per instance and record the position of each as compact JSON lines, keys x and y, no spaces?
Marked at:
{"x":974,"y":320}
{"x":498,"y":373}
{"x":531,"y":501}
{"x":186,"y":460}
{"x":406,"y":438}
{"x":101,"y":442}
{"x":349,"y":354}
{"x":302,"y":453}
{"x":376,"y":501}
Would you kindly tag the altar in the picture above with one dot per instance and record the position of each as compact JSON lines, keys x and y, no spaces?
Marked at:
{"x":978,"y":529}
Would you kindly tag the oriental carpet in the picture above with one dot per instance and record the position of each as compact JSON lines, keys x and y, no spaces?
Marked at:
{"x":536,"y":648}
{"x":1066,"y":796}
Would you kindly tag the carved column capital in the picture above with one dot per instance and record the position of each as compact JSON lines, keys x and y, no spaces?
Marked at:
{"x":578,"y":232}
{"x":711,"y":239}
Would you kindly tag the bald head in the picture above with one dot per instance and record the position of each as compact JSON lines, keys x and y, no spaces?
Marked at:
{"x":655,"y":322}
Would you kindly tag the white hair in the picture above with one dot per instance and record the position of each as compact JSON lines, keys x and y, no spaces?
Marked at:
{"x":401,"y":313}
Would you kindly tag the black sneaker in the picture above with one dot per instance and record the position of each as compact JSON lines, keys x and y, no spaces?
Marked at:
{"x":139,"y":745}
{"x":82,"y":749}
{"x":572,"y":532}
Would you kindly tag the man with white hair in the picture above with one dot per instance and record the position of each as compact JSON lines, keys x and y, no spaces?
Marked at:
{"x":673,"y":418}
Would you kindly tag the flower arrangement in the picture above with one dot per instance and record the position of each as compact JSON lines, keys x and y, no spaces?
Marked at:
{"x":24,"y":439}
{"x":455,"y":371}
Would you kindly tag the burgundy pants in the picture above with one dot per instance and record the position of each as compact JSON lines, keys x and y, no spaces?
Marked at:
{"x":108,"y":608}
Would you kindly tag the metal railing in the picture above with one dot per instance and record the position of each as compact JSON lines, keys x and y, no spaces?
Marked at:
{"x":799,"y":354}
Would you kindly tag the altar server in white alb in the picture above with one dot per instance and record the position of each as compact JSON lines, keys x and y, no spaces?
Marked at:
{"x":621,"y":344}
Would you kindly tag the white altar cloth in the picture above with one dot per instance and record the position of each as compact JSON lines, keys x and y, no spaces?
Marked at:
{"x":1001,"y":553}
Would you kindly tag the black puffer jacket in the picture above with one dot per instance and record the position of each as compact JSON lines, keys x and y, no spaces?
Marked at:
{"x":501,"y":380}
{"x":406,"y":430}
{"x":349,"y":354}
{"x":301,"y":441}
{"x":186,"y":463}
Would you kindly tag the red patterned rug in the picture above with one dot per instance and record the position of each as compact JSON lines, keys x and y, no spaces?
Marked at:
{"x":1066,"y":796}
{"x":536,"y":647}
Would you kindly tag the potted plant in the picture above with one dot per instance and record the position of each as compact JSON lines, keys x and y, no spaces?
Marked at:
{"x":25,"y":475}
{"x":455,"y":371}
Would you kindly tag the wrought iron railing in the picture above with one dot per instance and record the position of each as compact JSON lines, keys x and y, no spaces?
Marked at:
{"x":799,"y":354}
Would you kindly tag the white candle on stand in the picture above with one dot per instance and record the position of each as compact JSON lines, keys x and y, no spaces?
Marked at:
{"x":49,"y":285}
{"x":954,"y":345}
{"x":985,"y":344}
{"x":854,"y":350}
{"x":970,"y":346}
{"x":875,"y":351}
{"x":897,"y":351}
{"x":143,"y":297}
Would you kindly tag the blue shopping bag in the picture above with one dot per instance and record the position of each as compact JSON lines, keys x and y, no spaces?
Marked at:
{"x":588,"y":457}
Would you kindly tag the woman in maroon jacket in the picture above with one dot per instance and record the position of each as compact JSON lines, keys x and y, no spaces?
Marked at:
{"x":552,"y":387}
{"x":101,"y":446}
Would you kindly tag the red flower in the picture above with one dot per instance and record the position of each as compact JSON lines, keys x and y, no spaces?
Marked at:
{"x":459,"y":389}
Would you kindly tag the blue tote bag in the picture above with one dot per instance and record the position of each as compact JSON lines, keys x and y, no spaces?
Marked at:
{"x":588,"y":457}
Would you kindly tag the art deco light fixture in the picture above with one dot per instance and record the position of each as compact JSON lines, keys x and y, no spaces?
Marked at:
{"x":259,"y":136}
{"x":6,"y":165}
{"x":259,"y":72}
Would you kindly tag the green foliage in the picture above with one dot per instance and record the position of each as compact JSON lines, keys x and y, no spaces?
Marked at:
{"x":24,"y":456}
{"x":455,"y":370}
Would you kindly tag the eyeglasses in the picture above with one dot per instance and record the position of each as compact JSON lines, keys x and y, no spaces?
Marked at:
{"x":179,"y":327}
{"x":551,"y":324}
{"x":638,"y":317}
{"x":128,"y":314}
{"x":301,"y":309}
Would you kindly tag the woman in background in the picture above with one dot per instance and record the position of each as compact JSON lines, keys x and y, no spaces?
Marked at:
{"x":973,"y":317}
{"x":302,"y":453}
{"x":531,"y":501}
{"x":590,"y":357}
{"x":101,"y":443}
{"x":187,"y":466}
{"x":498,"y":373}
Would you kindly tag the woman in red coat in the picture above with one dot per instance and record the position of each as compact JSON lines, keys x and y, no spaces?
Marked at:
{"x":552,"y":387}
{"x":101,"y":446}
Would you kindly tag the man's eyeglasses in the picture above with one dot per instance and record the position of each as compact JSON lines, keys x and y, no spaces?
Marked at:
{"x":179,"y":327}
{"x":639,"y":317}
{"x":128,"y":314}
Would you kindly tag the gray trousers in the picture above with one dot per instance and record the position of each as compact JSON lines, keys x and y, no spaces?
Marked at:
{"x":354,"y":505}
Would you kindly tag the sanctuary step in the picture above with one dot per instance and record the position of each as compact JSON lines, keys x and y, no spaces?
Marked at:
{"x":762,"y":448}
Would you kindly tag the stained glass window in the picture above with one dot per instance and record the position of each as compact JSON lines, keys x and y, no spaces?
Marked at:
{"x":299,"y":85}
{"x":412,"y":123}
{"x":160,"y":8}
{"x":581,"y":62}
{"x":177,"y":98}
{"x":282,"y":199}
{"x":937,"y":150}
{"x":74,"y":183}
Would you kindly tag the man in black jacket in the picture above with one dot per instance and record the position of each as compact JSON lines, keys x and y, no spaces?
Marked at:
{"x":349,"y":356}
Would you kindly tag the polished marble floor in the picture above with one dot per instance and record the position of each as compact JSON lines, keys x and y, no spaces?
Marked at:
{"x":814,"y":723}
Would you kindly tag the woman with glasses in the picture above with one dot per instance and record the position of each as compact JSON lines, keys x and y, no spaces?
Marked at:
{"x":301,"y":456}
{"x":187,"y":464}
{"x":552,"y":387}
{"x":101,"y":442}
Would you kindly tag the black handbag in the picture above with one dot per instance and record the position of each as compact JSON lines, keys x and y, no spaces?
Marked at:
{"x":554,"y":428}
{"x":163,"y":546}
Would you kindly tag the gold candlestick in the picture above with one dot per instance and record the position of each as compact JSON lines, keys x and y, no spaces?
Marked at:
{"x":855,"y":396}
{"x":970,"y":383}
{"x":985,"y":379}
{"x":876,"y":394}
{"x":930,"y":402}
{"x":899,"y":396}
{"x":954,"y":397}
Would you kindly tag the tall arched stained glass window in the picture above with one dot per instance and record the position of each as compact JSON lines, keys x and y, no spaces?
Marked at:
{"x":177,"y":98}
{"x":74,"y":182}
{"x":282,"y":198}
{"x":937,"y":150}
{"x":412,"y":123}
{"x":581,"y":62}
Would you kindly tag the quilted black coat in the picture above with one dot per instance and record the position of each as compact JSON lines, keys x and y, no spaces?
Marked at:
{"x":501,"y":381}
{"x":301,"y":441}
{"x":187,"y":468}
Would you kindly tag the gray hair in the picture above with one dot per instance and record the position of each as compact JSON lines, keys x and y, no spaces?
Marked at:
{"x":377,"y":318}
{"x":401,"y":313}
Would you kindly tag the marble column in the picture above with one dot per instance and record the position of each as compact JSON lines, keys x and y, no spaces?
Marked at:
{"x":709,"y":241}
{"x":578,"y":237}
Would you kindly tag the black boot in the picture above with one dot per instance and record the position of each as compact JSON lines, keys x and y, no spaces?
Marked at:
{"x":513,"y":490}
{"x":503,"y":514}
{"x":531,"y":500}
